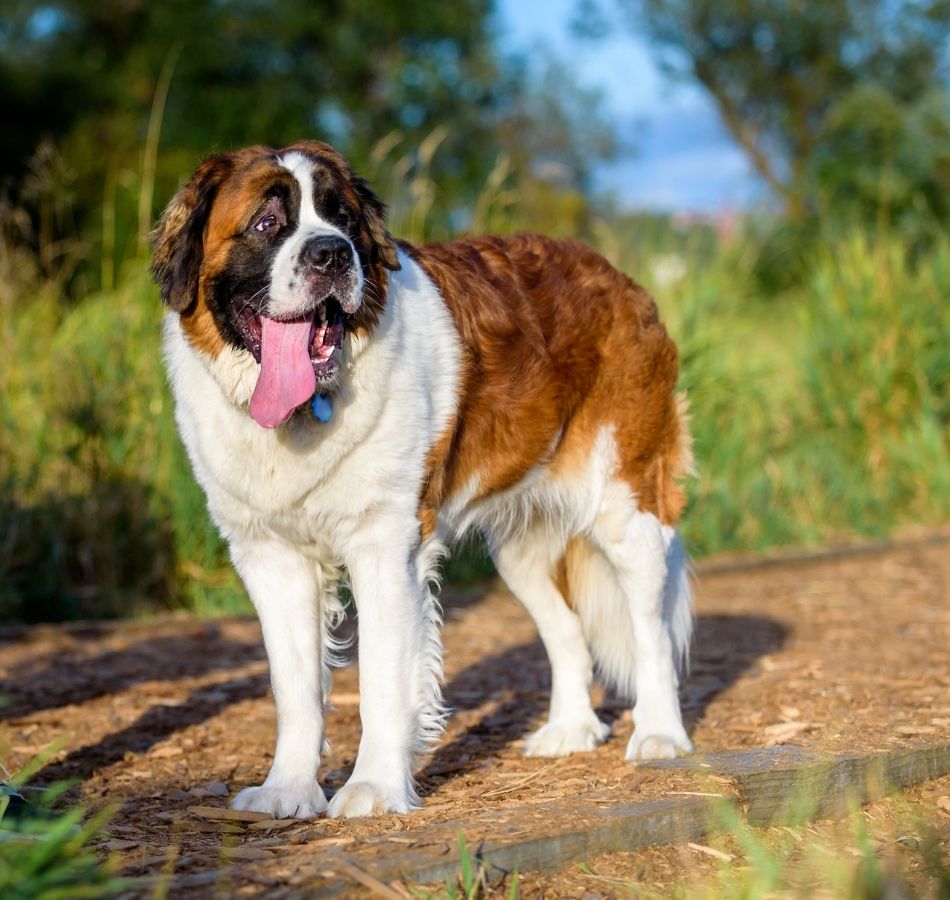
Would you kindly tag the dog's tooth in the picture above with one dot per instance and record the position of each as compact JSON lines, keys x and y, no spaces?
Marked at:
{"x":316,"y":341}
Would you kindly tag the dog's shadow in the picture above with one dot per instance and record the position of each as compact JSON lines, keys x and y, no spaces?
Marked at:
{"x":724,"y":648}
{"x":514,"y":685}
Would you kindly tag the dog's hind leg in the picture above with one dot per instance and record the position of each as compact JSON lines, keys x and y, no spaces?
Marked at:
{"x":526,"y":563}
{"x":649,"y":565}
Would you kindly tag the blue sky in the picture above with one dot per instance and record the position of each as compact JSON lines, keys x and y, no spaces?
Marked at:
{"x":681,"y":158}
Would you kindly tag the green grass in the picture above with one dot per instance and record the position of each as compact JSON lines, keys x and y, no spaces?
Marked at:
{"x":48,"y":859}
{"x":820,"y":412}
{"x":46,"y":853}
{"x":857,"y":859}
{"x":887,"y":850}
{"x":99,"y":514}
{"x":472,"y":882}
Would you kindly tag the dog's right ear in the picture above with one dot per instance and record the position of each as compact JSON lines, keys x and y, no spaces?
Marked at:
{"x":178,"y":239}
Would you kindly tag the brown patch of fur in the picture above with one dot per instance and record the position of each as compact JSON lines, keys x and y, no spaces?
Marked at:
{"x":434,"y":487}
{"x":570,"y":570}
{"x":218,"y":203}
{"x":201,"y":330}
{"x":556,"y":345}
{"x":560,"y":576}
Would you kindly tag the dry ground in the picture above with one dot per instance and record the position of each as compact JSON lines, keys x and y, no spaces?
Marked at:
{"x":848,"y":652}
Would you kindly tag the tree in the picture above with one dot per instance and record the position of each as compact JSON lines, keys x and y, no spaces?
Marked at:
{"x":789,"y":78}
{"x":84,"y":75}
{"x":244,"y":71}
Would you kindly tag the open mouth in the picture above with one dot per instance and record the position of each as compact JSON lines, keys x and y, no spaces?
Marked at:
{"x":326,"y":334}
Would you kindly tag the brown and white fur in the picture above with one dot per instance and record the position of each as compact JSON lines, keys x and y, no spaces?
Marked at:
{"x":517,"y":385}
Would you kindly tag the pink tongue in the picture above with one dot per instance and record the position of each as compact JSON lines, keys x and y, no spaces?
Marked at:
{"x":287,"y":377}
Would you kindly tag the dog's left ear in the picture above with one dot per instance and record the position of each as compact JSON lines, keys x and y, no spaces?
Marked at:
{"x":373,"y":214}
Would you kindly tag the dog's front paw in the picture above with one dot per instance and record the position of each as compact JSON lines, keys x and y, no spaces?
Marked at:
{"x":645,"y":746}
{"x":561,"y":738}
{"x":283,"y":801}
{"x":363,"y":798}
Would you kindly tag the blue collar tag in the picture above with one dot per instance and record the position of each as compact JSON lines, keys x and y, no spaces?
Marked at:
{"x":322,"y":407}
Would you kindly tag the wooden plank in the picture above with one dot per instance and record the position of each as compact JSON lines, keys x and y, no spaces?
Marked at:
{"x":786,"y":785}
{"x":766,"y":782}
{"x":779,"y":785}
{"x":575,"y":833}
{"x":563,"y":832}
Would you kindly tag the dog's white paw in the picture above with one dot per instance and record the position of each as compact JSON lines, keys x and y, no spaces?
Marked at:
{"x":363,"y":798}
{"x":560,"y":738}
{"x":283,"y":802}
{"x":645,"y":746}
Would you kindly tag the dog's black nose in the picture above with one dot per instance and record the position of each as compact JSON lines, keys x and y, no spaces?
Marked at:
{"x":328,"y":253}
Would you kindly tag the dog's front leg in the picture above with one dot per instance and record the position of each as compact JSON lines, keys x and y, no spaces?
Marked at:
{"x":286,"y":589}
{"x":394,"y":635}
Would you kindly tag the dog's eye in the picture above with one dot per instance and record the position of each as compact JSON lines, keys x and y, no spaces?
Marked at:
{"x":268,"y":223}
{"x":344,"y":219}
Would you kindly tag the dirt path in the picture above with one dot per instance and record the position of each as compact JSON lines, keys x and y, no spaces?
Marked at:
{"x":847,"y":653}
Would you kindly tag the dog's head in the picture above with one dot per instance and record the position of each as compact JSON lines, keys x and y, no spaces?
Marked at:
{"x":277,"y":253}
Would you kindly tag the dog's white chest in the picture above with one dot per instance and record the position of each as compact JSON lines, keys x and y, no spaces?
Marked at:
{"x":311,"y":482}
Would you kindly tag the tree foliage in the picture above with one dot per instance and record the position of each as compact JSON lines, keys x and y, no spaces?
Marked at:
{"x":350,"y":70}
{"x":832,"y":100}
{"x":84,"y":76}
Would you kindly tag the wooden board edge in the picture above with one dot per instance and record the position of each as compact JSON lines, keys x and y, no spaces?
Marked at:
{"x":847,"y":779}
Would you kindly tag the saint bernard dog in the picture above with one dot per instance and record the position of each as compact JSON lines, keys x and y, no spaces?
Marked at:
{"x":350,"y":403}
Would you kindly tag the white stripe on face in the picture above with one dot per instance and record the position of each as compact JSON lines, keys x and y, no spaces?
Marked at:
{"x":301,"y":167}
{"x":288,"y":296}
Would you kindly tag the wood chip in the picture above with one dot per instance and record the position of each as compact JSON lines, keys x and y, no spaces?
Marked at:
{"x":783,"y":731}
{"x":217,"y":814}
{"x":297,"y":840}
{"x":266,"y":843}
{"x":118,"y":844}
{"x":204,"y":827}
{"x":518,"y":784}
{"x":379,"y":888}
{"x":245,"y":853}
{"x":166,"y":751}
{"x":634,"y":782}
{"x":911,"y":730}
{"x":711,"y":851}
{"x":163,"y":859}
{"x":273,"y":825}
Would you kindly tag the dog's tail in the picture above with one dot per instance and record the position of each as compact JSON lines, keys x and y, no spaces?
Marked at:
{"x":595,"y":594}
